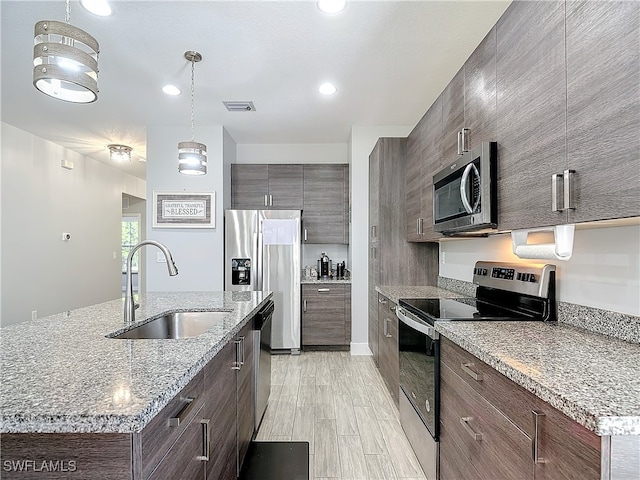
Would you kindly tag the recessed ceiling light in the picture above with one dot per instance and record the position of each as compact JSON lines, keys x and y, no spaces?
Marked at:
{"x":97,"y":7}
{"x":327,"y":89}
{"x":171,"y":90}
{"x":331,"y":6}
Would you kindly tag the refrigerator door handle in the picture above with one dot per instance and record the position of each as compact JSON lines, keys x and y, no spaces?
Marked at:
{"x":257,"y":241}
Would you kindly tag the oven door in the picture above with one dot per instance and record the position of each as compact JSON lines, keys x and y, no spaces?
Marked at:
{"x":420,"y":368}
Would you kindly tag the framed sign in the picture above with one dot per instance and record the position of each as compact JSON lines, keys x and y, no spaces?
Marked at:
{"x":184,"y":209}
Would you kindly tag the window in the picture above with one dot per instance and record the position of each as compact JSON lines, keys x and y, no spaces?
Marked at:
{"x":130,"y":237}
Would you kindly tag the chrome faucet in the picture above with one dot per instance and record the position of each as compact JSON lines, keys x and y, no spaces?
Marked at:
{"x":129,"y":306}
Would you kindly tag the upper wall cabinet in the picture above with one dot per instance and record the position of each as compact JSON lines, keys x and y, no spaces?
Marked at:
{"x":603,"y":108}
{"x":266,"y":186}
{"x":326,"y":203}
{"x":531,"y":88}
{"x":568,"y":113}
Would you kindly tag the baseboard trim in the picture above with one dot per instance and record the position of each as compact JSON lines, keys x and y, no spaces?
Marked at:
{"x":360,"y":349}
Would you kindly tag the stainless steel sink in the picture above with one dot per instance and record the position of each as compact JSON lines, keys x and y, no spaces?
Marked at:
{"x":175,"y":325}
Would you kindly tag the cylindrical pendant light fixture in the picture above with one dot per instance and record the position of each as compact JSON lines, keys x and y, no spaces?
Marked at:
{"x":192,"y":156}
{"x":65,"y":60}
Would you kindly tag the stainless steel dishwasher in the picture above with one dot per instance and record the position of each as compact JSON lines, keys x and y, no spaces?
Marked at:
{"x":262,"y":359}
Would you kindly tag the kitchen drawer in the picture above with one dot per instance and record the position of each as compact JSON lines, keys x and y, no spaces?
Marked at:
{"x":511,"y":399}
{"x":454,"y":464}
{"x":182,"y":462}
{"x":495,"y":447}
{"x":159,"y":435}
{"x":322,"y":290}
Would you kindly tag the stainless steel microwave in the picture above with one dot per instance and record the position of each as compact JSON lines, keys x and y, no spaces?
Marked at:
{"x":465,"y":193}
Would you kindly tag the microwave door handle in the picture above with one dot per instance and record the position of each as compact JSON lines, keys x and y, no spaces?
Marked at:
{"x":463,"y":188}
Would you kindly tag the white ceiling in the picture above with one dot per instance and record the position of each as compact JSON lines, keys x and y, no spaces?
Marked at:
{"x":388,"y":59}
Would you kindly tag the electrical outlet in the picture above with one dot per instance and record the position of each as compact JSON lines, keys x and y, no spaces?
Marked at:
{"x":114,"y":255}
{"x":444,"y":257}
{"x":34,"y":315}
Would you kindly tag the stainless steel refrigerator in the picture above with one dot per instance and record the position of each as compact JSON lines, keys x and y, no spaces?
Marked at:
{"x":263,"y":252}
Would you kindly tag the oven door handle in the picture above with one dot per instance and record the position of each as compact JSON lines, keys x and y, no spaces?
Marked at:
{"x":428,"y":330}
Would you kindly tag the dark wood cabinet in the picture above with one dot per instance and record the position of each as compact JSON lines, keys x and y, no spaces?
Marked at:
{"x":326,"y":204}
{"x":389,"y":348}
{"x":603,"y":108}
{"x":374,"y":245}
{"x":221,"y":411}
{"x":326,"y":314}
{"x":272,"y":186}
{"x":532,"y":100}
{"x":453,"y":121}
{"x":492,"y":421}
{"x":246,"y":387}
{"x":424,"y":159}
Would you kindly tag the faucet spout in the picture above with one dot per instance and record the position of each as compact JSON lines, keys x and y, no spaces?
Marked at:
{"x":129,"y":305}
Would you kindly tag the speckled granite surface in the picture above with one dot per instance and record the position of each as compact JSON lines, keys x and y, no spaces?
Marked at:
{"x":315,"y":280}
{"x":394,"y":293}
{"x":591,"y":378}
{"x":467,"y":289}
{"x":61,"y":374}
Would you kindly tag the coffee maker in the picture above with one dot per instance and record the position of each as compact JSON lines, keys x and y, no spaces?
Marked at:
{"x":324,"y":266}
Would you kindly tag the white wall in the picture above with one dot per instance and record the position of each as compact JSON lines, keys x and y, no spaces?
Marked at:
{"x":293,"y":153}
{"x":198,"y":252}
{"x":361,"y":142}
{"x":40,"y":200}
{"x":604,"y":271}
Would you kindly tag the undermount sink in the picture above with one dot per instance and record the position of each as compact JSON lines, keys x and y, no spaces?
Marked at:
{"x":175,"y":325}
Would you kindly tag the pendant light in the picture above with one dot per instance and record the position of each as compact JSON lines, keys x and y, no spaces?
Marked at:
{"x":65,"y":61}
{"x":192,"y":156}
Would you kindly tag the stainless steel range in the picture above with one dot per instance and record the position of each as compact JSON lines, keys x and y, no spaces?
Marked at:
{"x":505,"y":292}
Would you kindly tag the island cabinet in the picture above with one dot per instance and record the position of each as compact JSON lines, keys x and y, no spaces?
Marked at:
{"x":493,"y":429}
{"x":326,"y":314}
{"x":388,"y":346}
{"x":203,"y":432}
{"x":272,"y":186}
{"x":567,"y":132}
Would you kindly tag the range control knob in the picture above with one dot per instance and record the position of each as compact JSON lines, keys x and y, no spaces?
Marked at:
{"x":532,"y":278}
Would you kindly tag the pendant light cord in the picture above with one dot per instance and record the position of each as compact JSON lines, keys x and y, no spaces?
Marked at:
{"x":67,"y":16}
{"x":193,"y":93}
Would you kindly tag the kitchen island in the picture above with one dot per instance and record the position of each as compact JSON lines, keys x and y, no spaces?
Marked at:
{"x":63,"y":377}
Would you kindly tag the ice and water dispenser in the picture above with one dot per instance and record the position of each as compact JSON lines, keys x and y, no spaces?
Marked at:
{"x":240,"y":271}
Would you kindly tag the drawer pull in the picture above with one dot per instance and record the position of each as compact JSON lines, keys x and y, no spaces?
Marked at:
{"x":324,"y":290}
{"x":464,"y":421}
{"x":393,"y":309}
{"x":535,"y":441}
{"x":382,"y":301}
{"x":184,"y":413}
{"x":206,"y":440}
{"x":386,"y":328}
{"x":237,"y":364}
{"x":476,"y":376}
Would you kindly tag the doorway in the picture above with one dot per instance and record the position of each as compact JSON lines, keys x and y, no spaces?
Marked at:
{"x":132,"y":233}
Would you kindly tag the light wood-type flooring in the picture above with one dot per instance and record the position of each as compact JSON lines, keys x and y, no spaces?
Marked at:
{"x":340,"y":405}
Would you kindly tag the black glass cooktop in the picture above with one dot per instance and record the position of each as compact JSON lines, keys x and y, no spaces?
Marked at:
{"x":459,"y":309}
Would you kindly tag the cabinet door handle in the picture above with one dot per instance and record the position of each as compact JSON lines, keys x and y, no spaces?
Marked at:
{"x":305,"y":234}
{"x":555,"y":180}
{"x":374,"y":231}
{"x":241,"y":351}
{"x":569,"y":198}
{"x":383,"y":301}
{"x":206,"y":440}
{"x":535,"y":441}
{"x":464,"y":421}
{"x":304,"y":306}
{"x":374,"y":254}
{"x":184,"y":413}
{"x":393,"y":309}
{"x":460,"y":142}
{"x":386,"y":328}
{"x":266,"y":204}
{"x":236,"y":364}
{"x":271,"y":200}
{"x":465,"y":368}
{"x":465,"y":140}
{"x":324,"y":290}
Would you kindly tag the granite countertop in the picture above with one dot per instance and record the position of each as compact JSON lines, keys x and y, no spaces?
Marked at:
{"x":394,"y":293}
{"x":60,"y":374}
{"x":591,"y":378}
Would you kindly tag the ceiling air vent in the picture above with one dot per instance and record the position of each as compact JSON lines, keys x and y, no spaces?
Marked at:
{"x":240,"y":106}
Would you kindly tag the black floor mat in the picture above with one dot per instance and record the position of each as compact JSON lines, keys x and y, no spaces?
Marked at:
{"x":276,"y":461}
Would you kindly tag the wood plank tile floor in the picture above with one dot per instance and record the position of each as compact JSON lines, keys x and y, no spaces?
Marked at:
{"x":340,"y":405}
